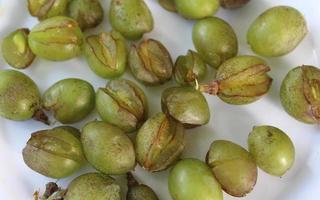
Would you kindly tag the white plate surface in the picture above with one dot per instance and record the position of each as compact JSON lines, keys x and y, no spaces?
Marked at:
{"x":228,"y":122}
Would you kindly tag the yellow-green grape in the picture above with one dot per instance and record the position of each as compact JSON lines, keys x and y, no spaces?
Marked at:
{"x":57,"y":38}
{"x":186,"y":105}
{"x":232,"y":4}
{"x":272,"y":149}
{"x":197,"y":9}
{"x":277,"y":31}
{"x":70,"y":100}
{"x":150,"y":62}
{"x":20,"y":98}
{"x":132,"y":18}
{"x":215,"y":40}
{"x":192,"y":179}
{"x":55,"y":153}
{"x":16,"y":50}
{"x":243,"y":80}
{"x":44,"y":9}
{"x":123,"y":104}
{"x":233,"y":167}
{"x":159,"y":142}
{"x":93,"y":186}
{"x":169,"y":5}
{"x":189,"y":69}
{"x":107,"y":148}
{"x":106,"y":54}
{"x":138,"y":191}
{"x":300,"y":94}
{"x":88,"y":13}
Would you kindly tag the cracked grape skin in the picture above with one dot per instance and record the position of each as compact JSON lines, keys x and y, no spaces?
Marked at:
{"x":243,"y":80}
{"x":56,"y":39}
{"x":123,"y":104}
{"x":300,"y":94}
{"x":159,"y":142}
{"x":44,"y":9}
{"x":150,"y":62}
{"x":16,"y":50}
{"x":55,"y":153}
{"x":106,"y":54}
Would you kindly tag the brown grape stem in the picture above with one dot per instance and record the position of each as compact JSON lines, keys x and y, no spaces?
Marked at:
{"x":131,"y":180}
{"x":41,"y":116}
{"x":51,"y":188}
{"x":191,"y":76}
{"x":316,"y":112}
{"x":52,"y":192}
{"x":211,"y":88}
{"x":36,"y":195}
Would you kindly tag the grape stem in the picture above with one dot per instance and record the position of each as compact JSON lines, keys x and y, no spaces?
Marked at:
{"x":131,"y":180}
{"x":39,"y":115}
{"x":211,"y":88}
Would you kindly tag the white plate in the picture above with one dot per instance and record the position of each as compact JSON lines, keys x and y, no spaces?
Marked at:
{"x":229,"y":122}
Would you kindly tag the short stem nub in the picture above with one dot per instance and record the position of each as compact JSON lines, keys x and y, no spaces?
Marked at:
{"x":191,"y":76}
{"x":316,"y":112}
{"x":52,"y":192}
{"x":51,"y":188}
{"x":211,"y":88}
{"x":131,"y":180}
{"x":39,"y":115}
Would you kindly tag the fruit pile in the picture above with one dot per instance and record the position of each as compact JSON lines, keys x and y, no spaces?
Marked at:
{"x":159,"y":140}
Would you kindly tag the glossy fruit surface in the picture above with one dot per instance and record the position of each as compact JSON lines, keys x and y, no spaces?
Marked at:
{"x":192,"y":179}
{"x":132,"y":18}
{"x":186,"y":105}
{"x":88,"y":13}
{"x":19,"y":96}
{"x":70,"y":100}
{"x":277,"y":31}
{"x":107,"y":148}
{"x":215,"y":40}
{"x":196,"y":9}
{"x":272,"y":149}
{"x":93,"y":186}
{"x":233,"y":167}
